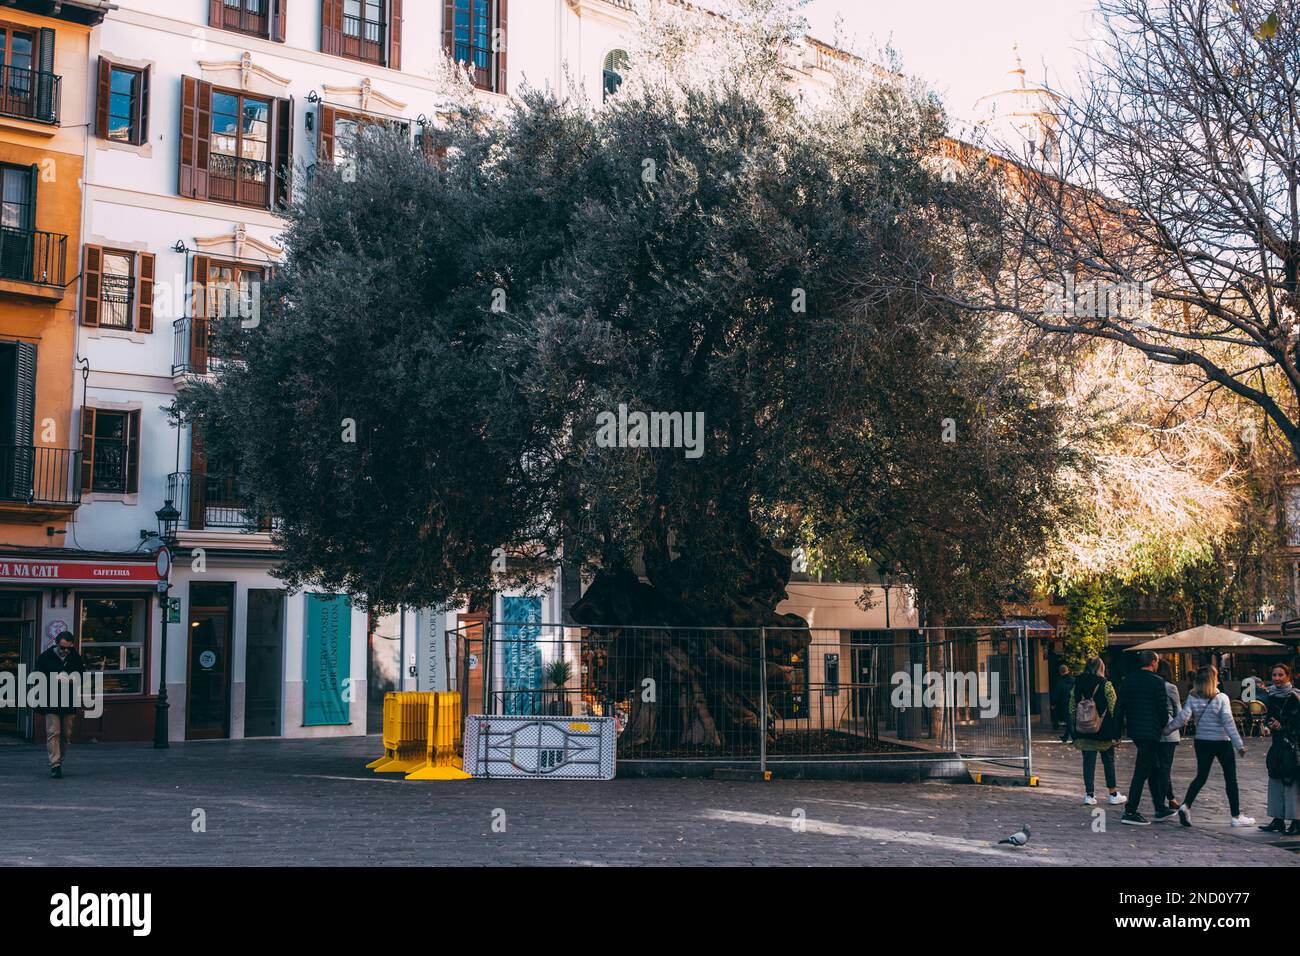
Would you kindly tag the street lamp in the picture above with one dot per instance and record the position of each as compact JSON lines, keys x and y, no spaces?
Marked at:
{"x":168,"y":519}
{"x":886,"y":573}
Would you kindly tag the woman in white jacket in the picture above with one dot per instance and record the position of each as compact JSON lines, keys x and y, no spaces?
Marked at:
{"x":1216,"y":739}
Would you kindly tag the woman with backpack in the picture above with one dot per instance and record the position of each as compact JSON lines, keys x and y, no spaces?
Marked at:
{"x":1216,"y":739}
{"x":1283,"y":760}
{"x":1092,"y":702}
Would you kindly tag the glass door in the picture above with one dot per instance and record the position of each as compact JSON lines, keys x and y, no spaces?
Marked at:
{"x":207,"y":695}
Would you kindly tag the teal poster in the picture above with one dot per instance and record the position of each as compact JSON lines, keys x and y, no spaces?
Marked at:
{"x":328,"y":658}
{"x":523,"y":658}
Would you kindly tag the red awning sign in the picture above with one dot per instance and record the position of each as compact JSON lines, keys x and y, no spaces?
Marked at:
{"x":20,"y":570}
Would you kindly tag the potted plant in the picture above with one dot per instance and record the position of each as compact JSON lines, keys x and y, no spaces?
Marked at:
{"x":558,"y":673}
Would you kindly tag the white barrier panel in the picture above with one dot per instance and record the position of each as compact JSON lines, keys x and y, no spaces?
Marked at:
{"x":559,"y":748}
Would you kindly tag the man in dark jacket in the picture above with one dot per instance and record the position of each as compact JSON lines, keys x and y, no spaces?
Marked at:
{"x":1145,"y":706}
{"x":1061,"y":701}
{"x":58,"y":660}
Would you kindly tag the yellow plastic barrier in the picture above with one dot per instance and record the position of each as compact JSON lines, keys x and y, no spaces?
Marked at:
{"x":406,"y":727}
{"x":442,"y":753}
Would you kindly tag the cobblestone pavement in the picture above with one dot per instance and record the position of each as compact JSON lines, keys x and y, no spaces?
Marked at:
{"x":311,"y":802}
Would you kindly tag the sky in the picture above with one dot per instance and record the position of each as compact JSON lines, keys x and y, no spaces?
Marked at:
{"x":963,"y":48}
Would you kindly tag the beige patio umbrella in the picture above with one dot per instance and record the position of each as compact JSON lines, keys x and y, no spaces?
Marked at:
{"x":1207,"y":637}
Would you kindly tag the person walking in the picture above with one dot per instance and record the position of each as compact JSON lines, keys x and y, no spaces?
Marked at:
{"x":1061,"y":701}
{"x":1216,"y":739}
{"x":58,"y":661}
{"x":1145,"y":706}
{"x":1169,"y":742}
{"x":1096,"y":737}
{"x":1283,"y":760}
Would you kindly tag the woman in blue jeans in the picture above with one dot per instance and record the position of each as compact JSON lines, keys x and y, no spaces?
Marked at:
{"x":1092,"y":685}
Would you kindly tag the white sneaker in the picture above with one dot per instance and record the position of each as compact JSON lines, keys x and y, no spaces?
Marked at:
{"x":1089,"y":800}
{"x":1243,"y":821}
{"x":1115,"y":799}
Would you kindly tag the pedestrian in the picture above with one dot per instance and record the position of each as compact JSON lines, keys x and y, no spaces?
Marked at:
{"x":1283,"y":753}
{"x":1061,"y":702}
{"x":1096,"y":735}
{"x":1169,"y":742}
{"x":1145,"y":707}
{"x":1216,"y":739}
{"x":57,"y":662}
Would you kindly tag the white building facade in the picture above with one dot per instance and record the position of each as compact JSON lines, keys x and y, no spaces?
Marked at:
{"x":200,"y":112}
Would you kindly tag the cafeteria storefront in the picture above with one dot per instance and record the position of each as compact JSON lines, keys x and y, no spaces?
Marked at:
{"x":108,"y":601}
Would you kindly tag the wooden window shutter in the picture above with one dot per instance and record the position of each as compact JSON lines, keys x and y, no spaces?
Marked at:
{"x":24,"y":418}
{"x":325,"y":154}
{"x":144,"y":293}
{"x":277,"y":20}
{"x":499,"y":36}
{"x":395,"y":35}
{"x":46,"y":102}
{"x":198,"y":478}
{"x":283,"y":169}
{"x":449,"y":28}
{"x":103,"y":98}
{"x":199,"y":311}
{"x":87,"y":448}
{"x":215,"y":13}
{"x":132,"y":452}
{"x":331,"y":26}
{"x":142,"y":133}
{"x":91,"y":285}
{"x":196,"y":136}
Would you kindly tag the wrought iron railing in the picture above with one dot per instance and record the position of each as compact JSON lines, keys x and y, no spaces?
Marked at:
{"x":30,"y":94}
{"x":365,"y":39}
{"x":29,"y":255}
{"x":244,"y":17}
{"x":214,"y":501}
{"x":240,"y":180}
{"x":39,"y":474}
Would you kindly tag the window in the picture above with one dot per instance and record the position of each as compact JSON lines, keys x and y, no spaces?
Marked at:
{"x":474,"y":33}
{"x":17,"y":419}
{"x":222,"y":290}
{"x":122,"y":107}
{"x":117,"y":289}
{"x":235,"y":148}
{"x":110,"y":451}
{"x":17,"y":221}
{"x":369,"y":30}
{"x":18,"y":59}
{"x":615,"y":66}
{"x":341,"y":131}
{"x":261,"y":18}
{"x":113,"y":632}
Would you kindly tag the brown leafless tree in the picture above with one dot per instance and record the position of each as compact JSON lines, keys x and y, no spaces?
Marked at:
{"x":1170,"y":201}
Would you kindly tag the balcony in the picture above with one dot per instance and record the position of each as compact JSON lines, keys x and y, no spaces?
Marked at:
{"x":33,"y":264}
{"x":190,"y":346}
{"x":237,"y":17}
{"x":30,"y":95}
{"x":214,"y":502}
{"x":239,"y":180}
{"x":39,"y":483}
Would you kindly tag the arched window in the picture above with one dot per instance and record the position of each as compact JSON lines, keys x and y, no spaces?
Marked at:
{"x":615,"y":65}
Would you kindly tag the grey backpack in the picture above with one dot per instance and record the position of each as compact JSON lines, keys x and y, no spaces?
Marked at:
{"x":1087,"y":719}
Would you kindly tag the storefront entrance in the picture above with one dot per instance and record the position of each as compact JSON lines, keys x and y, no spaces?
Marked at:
{"x":207,"y":696}
{"x":17,"y":646}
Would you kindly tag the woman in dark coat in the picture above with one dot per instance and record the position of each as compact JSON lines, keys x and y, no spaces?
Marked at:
{"x":1092,"y":685}
{"x":1283,"y":774}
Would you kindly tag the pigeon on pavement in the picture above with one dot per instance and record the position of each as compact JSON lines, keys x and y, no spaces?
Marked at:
{"x":1019,"y":838}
